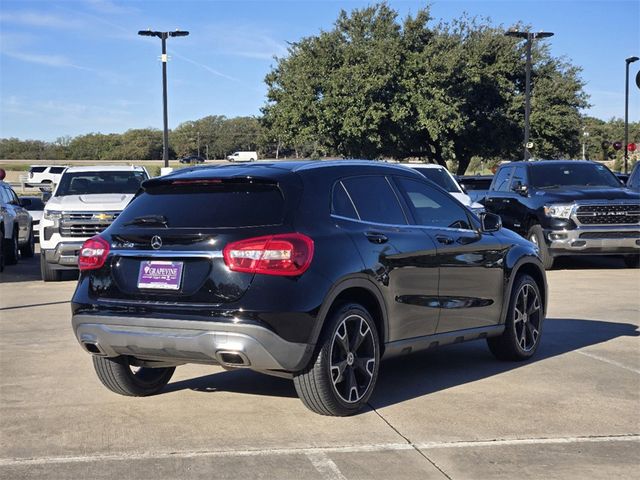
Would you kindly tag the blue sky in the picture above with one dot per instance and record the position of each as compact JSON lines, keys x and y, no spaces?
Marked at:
{"x":69,"y":67}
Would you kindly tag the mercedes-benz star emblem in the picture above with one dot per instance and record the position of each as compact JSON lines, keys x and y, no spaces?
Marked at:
{"x":156,"y":242}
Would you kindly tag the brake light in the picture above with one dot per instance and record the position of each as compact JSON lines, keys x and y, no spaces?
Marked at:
{"x":93,"y":253}
{"x":288,"y":254}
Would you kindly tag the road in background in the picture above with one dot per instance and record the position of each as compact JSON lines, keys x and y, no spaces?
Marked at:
{"x":451,"y":413}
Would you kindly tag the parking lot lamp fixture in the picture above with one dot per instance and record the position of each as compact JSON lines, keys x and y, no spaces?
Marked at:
{"x":163,"y":36}
{"x":529,"y":37}
{"x":627,"y":61}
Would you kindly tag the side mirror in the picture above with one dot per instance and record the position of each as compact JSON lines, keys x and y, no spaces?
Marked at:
{"x":490,"y":222}
{"x":46,"y":196}
{"x":520,"y":189}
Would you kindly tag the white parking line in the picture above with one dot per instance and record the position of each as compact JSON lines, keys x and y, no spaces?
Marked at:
{"x":325,"y":466}
{"x":606,"y":360}
{"x":317,"y":453}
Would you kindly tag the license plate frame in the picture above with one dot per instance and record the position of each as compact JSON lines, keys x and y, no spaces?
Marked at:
{"x":160,"y":275}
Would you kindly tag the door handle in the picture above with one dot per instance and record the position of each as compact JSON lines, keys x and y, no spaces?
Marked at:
{"x":376,"y":237}
{"x":444,"y":239}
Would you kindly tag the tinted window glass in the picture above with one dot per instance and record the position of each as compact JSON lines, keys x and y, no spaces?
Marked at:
{"x":519,"y":175}
{"x":374,"y":199}
{"x":208,"y":207}
{"x":37,"y":169}
{"x":476,"y":183}
{"x":341,"y":204}
{"x":440,"y":177}
{"x":551,"y":175}
{"x":86,"y":183}
{"x":56,"y":169}
{"x":501,"y":180}
{"x":433,"y":208}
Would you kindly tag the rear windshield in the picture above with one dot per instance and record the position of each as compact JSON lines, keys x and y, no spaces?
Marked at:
{"x":440,"y":177}
{"x":578,"y":174}
{"x":87,"y":183}
{"x":229,"y":206}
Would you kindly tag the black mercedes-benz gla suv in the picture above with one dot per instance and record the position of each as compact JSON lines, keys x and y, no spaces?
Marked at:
{"x":310,"y":270}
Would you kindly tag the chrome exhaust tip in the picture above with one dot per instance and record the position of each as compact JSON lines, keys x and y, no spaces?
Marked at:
{"x":93,"y":348}
{"x":232,"y":358}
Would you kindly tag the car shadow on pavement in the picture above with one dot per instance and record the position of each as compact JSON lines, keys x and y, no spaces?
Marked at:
{"x":237,"y":381}
{"x":28,"y":270}
{"x":420,"y":374}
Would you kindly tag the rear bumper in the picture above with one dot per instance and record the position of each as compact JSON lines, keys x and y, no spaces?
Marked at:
{"x":182,"y":341}
{"x":601,"y":240}
{"x":64,"y":256}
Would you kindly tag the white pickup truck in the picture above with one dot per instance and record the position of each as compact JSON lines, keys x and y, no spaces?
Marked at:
{"x":84,"y":203}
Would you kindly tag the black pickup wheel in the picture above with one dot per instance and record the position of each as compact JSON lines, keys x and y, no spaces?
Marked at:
{"x":536,"y":236}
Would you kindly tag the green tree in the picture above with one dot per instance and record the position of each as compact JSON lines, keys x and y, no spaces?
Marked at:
{"x":377,"y":87}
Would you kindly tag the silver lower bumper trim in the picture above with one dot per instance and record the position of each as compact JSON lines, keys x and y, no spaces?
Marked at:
{"x":183,"y":341}
{"x":575,"y":241}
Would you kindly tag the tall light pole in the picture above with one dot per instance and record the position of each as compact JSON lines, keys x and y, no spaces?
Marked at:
{"x":529,"y":37}
{"x":627,"y":61}
{"x":163,"y":36}
{"x":585,"y":135}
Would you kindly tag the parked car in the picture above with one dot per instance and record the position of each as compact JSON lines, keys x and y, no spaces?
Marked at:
{"x":570,"y":207}
{"x":16,"y":229}
{"x":45,"y":175}
{"x":309,"y":270}
{"x":476,"y":186}
{"x":243,"y":157}
{"x":634,"y":178}
{"x":192,"y":159}
{"x":35,"y":206}
{"x":443,"y":178}
{"x":85,"y":202}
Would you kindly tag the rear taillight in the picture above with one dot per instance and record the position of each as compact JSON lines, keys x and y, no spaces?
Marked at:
{"x":93,"y":253}
{"x":288,"y":254}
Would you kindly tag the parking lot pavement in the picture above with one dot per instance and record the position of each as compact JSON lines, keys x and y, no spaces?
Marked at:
{"x":449,"y":413}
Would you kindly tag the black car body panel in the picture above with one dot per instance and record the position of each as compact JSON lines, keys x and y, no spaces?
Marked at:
{"x":419,"y":282}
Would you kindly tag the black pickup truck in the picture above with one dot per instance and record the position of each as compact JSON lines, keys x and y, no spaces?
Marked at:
{"x":568,"y":207}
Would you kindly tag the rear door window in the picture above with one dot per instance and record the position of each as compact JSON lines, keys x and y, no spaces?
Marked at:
{"x":341,"y":204}
{"x":56,"y":170}
{"x":224,"y":206}
{"x":375,"y":200}
{"x":37,"y":169}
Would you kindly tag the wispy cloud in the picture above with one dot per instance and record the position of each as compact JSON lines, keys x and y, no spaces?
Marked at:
{"x":48,"y":60}
{"x":109,"y":7}
{"x":247,"y":41}
{"x":206,"y":67}
{"x":42,"y":20}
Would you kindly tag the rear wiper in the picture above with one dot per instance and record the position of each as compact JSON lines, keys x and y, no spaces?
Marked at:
{"x":148,"y":220}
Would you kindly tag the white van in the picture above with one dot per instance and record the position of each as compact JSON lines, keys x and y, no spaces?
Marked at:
{"x":243,"y":157}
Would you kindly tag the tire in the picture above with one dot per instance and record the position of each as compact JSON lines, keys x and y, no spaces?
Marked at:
{"x":118,"y":376}
{"x":48,"y":273}
{"x":536,"y":236}
{"x":343,"y":374}
{"x":29,"y":250}
{"x":522,"y":334}
{"x":11,"y":249}
{"x":632,"y":261}
{"x":252,"y":159}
